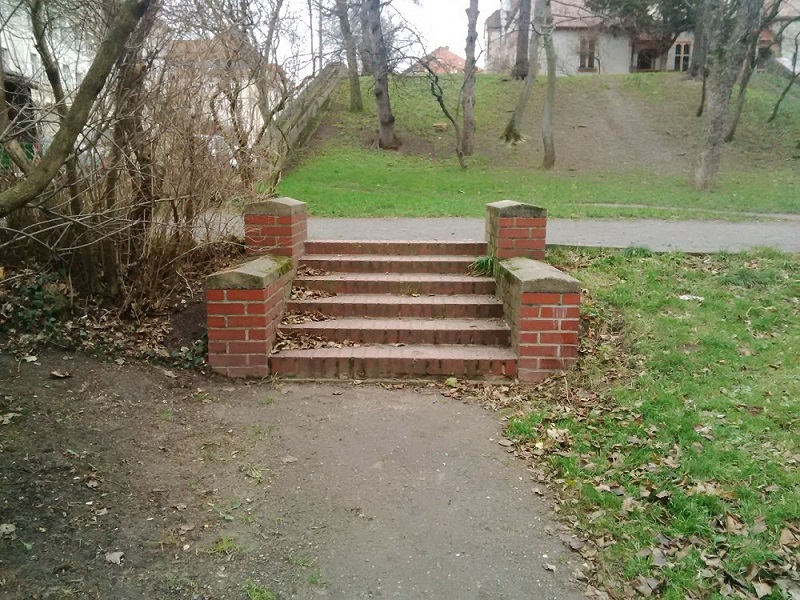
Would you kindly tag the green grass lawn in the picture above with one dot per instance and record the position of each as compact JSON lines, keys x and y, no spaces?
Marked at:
{"x":338,"y":175}
{"x":681,"y":459}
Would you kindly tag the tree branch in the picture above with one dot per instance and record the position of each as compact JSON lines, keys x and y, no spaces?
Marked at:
{"x":110,"y":49}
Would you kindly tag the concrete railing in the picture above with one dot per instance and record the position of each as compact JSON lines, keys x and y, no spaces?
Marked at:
{"x":298,"y":121}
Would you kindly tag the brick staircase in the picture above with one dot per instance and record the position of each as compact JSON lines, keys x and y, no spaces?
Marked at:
{"x":391,"y":309}
{"x":396,"y":309}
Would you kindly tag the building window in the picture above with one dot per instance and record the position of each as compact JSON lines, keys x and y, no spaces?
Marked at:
{"x":588,"y":55}
{"x":682,"y":53}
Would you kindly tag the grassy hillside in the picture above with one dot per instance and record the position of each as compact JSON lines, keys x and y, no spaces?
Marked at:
{"x":624,"y":144}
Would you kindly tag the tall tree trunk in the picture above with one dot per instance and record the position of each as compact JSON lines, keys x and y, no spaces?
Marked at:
{"x":777,"y":107}
{"x":380,"y":68}
{"x":63,"y":142}
{"x":365,"y":50}
{"x":311,"y":37}
{"x":512,"y":131}
{"x":549,"y":158}
{"x":356,"y":104}
{"x":747,"y":72}
{"x":51,"y":69}
{"x":468,"y":95}
{"x":728,"y":40}
{"x":698,"y":59}
{"x":320,"y":40}
{"x":522,"y":64}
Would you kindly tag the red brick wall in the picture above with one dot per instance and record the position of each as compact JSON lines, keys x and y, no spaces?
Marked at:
{"x":516,"y":229}
{"x":542,"y":308}
{"x":241,"y":327}
{"x":521,"y":236}
{"x":546,"y":334}
{"x":278,"y":226}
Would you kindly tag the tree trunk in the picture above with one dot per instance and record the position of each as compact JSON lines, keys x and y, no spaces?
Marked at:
{"x":356,"y":104}
{"x":785,"y":91}
{"x":698,"y":59}
{"x":380,"y":68}
{"x":549,"y":158}
{"x":311,"y":38}
{"x":522,"y":64}
{"x":747,"y":72}
{"x":365,"y":50}
{"x":63,"y":143}
{"x":512,"y":133}
{"x":728,"y":39}
{"x":468,"y":95}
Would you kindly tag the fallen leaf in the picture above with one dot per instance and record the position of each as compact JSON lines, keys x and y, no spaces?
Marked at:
{"x":114,"y":557}
{"x":734,"y":525}
{"x":170,"y":374}
{"x":92,"y":483}
{"x":760,"y":525}
{"x":451,"y":382}
{"x":762,"y":589}
{"x":6,"y":418}
{"x":30,"y":358}
{"x":789,"y":538}
{"x":549,"y":567}
{"x":505,"y":443}
{"x":287,"y":460}
{"x":629,"y":505}
{"x":180,"y":506}
{"x":659,"y":558}
{"x":647,"y":585}
{"x":60,"y":374}
{"x":7,"y":529}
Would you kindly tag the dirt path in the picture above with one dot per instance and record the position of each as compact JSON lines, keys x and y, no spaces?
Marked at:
{"x":207,"y":487}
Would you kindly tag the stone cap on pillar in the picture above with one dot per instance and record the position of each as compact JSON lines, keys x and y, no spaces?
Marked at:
{"x":512,"y":208}
{"x":276,"y":206}
{"x":534,"y":276}
{"x":253,"y":275}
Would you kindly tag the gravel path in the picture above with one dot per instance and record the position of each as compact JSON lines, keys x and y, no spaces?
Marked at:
{"x":689,"y":236}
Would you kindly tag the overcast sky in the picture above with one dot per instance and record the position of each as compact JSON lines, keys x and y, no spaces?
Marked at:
{"x":444,"y":22}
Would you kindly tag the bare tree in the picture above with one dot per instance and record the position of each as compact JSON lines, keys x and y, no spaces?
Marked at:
{"x":468,"y":94}
{"x":343,"y":15}
{"x":751,"y":61}
{"x":698,"y":60}
{"x":522,"y":64}
{"x":112,"y":47}
{"x":549,"y":158}
{"x":793,"y":78}
{"x":386,"y":138}
{"x":512,"y":131}
{"x":729,"y":25}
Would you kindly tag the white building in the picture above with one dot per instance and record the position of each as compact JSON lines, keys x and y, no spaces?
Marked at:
{"x":583,"y":44}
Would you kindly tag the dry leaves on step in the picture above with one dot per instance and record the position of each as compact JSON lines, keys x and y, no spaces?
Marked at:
{"x":296,"y":317}
{"x":301,"y":293}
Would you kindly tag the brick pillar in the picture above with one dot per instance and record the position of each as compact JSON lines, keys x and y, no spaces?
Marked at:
{"x":542,"y":308}
{"x":245,"y":305}
{"x":516,"y":229}
{"x":276,"y":226}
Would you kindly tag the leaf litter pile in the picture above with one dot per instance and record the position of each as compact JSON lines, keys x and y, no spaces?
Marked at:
{"x":672,"y":448}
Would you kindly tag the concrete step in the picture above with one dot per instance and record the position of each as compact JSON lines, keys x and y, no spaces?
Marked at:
{"x":382,"y":361}
{"x":390,"y":306}
{"x":405,"y":284}
{"x":404,"y":248}
{"x":373,"y":263}
{"x":483,"y":332}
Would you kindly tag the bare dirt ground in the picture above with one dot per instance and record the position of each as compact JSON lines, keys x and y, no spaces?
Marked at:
{"x":602,"y":127}
{"x":207,"y":487}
